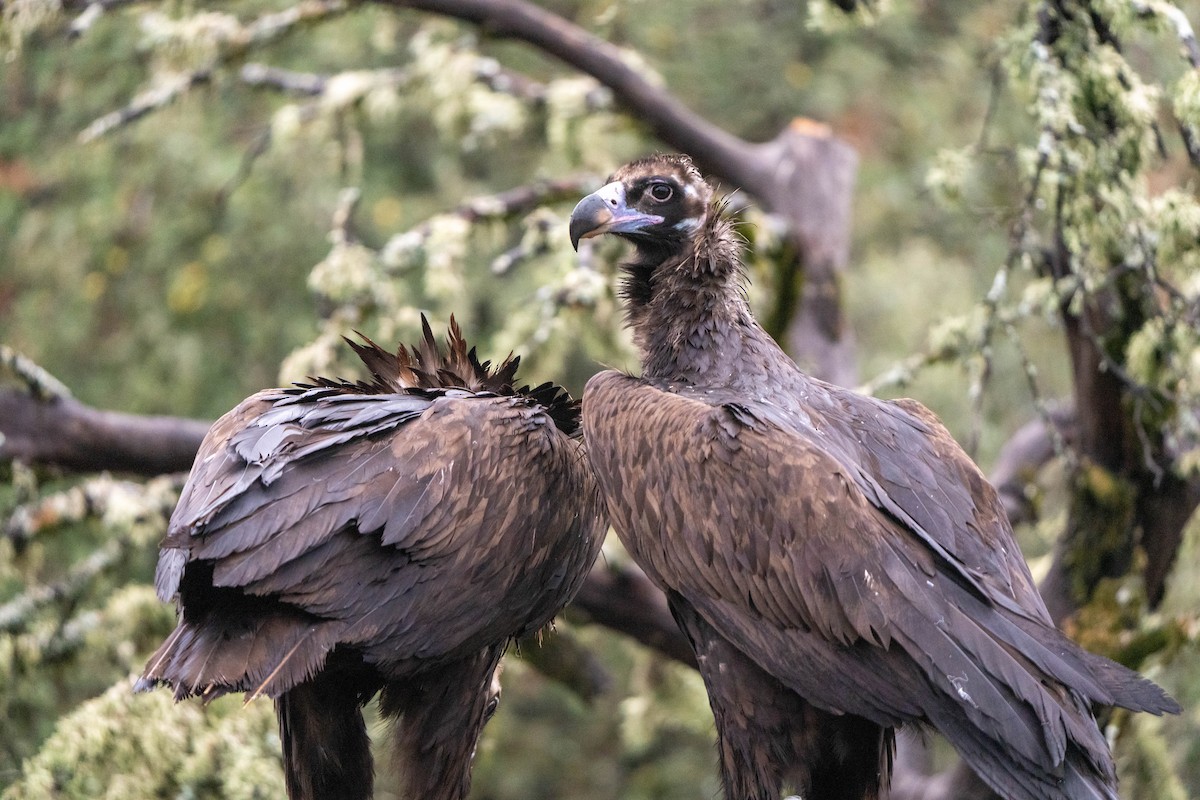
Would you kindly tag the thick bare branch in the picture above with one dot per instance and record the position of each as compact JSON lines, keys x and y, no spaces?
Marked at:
{"x":1026,"y":452}
{"x":805,"y":175}
{"x":63,"y":432}
{"x":668,"y":118}
{"x":623,"y":599}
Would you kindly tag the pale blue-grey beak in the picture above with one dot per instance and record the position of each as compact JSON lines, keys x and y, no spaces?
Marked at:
{"x":604,"y":211}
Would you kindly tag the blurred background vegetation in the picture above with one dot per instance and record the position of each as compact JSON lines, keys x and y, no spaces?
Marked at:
{"x":296,"y":179}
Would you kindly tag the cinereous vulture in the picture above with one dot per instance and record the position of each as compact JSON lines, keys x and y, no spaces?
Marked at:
{"x":839,"y":564}
{"x":393,"y":535}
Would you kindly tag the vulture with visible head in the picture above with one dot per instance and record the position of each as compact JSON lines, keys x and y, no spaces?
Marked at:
{"x":839,"y":564}
{"x":342,"y":539}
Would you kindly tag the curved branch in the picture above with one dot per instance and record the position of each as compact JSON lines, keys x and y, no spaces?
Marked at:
{"x":1026,"y":452}
{"x":624,"y":599}
{"x":65,"y":433}
{"x":805,"y":175}
{"x":668,"y":118}
{"x":144,"y":103}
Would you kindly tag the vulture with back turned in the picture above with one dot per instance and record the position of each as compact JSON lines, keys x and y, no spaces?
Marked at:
{"x":342,"y":539}
{"x":839,"y":564}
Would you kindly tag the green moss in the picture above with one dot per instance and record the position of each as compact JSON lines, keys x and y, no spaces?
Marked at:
{"x":1099,"y":540}
{"x":122,"y":745}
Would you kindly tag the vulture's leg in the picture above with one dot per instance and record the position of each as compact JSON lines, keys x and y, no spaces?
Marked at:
{"x":857,"y":762}
{"x":441,"y":713}
{"x":769,"y":737}
{"x":326,"y":750}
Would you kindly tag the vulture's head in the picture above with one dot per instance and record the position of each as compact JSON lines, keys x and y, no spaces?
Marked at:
{"x":657,"y":202}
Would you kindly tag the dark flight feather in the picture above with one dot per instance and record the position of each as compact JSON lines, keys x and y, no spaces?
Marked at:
{"x":839,"y":554}
{"x":341,"y":537}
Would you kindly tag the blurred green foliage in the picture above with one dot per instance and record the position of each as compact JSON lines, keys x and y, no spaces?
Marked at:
{"x":173,"y":264}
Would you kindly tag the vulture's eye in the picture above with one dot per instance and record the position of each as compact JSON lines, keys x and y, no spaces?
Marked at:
{"x":661,"y":192}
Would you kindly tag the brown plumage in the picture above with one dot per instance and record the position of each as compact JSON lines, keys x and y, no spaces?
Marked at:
{"x":341,"y":539}
{"x":839,"y":564}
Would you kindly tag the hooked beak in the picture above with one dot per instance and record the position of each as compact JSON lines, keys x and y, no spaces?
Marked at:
{"x":604,"y":211}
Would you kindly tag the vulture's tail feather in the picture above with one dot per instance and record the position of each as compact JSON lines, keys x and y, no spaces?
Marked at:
{"x":326,"y":750}
{"x":1130,"y":690}
{"x":1110,"y":684}
{"x":1081,"y":775}
{"x":259,"y":650}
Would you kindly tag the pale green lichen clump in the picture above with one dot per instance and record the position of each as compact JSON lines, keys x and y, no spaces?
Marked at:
{"x":947,"y":175}
{"x":23,"y":17}
{"x":123,"y":745}
{"x":449,"y":72}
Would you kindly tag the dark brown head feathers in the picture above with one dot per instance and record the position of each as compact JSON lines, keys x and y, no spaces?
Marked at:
{"x":678,"y":163}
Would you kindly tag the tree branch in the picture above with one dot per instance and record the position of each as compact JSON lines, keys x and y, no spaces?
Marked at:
{"x":40,"y":383}
{"x":495,"y":207}
{"x":239,"y":39}
{"x":1121,"y":497}
{"x":65,"y":433}
{"x":805,"y":175}
{"x":1178,"y":20}
{"x":624,"y":599}
{"x":144,"y":103}
{"x":668,"y":118}
{"x":1025,"y":452}
{"x":284,"y":80}
{"x":16,"y":613}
